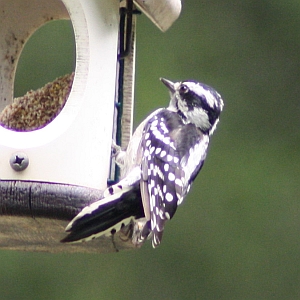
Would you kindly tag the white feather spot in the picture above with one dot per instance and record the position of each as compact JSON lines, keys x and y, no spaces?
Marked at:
{"x":155,"y":122}
{"x":157,"y":151}
{"x":171,"y":177}
{"x":169,"y":157}
{"x":154,"y":130}
{"x":160,"y":193}
{"x":165,"y":130}
{"x":169,"y":197}
{"x":160,"y":136}
{"x":160,"y":173}
{"x":153,"y":221}
{"x":166,"y":167}
{"x":152,"y":202}
{"x":156,"y":210}
{"x":155,"y":241}
{"x":166,"y":140}
{"x":148,"y":143}
{"x":163,"y":153}
{"x":176,"y":160}
{"x":180,"y":199}
{"x":158,"y":228}
{"x":161,"y":214}
{"x":164,"y":188}
{"x":172,"y":145}
{"x":178,"y":182}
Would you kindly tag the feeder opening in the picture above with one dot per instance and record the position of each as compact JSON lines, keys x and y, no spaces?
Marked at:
{"x":44,"y":77}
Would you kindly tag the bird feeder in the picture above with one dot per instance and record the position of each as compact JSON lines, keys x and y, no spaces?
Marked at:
{"x":60,"y":160}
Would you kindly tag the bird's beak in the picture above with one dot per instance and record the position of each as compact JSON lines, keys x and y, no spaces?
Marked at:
{"x":169,"y":84}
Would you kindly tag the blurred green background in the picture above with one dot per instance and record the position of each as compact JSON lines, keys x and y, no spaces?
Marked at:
{"x":237,"y":234}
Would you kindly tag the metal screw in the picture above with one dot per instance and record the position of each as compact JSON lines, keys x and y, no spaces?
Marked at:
{"x":19,"y":161}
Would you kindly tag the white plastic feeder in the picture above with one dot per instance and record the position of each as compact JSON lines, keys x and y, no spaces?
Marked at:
{"x":68,"y":159}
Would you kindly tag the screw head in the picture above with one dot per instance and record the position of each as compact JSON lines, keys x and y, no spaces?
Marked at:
{"x":19,"y":161}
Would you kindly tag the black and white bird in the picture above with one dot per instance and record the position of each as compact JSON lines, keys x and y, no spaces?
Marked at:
{"x":163,"y":158}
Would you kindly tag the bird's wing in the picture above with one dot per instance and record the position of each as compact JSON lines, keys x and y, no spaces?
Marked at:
{"x":173,"y":154}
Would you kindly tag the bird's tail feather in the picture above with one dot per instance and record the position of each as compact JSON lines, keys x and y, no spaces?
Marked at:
{"x":105,"y":216}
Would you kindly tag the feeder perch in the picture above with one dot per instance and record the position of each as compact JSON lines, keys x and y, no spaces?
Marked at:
{"x":51,"y":169}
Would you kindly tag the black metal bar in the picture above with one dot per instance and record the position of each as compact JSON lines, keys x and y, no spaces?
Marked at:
{"x":126,"y":35}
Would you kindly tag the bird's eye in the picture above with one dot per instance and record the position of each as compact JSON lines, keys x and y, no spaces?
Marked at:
{"x":183,"y":89}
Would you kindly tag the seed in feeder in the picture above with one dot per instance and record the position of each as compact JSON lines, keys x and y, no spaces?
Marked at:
{"x":37,"y":108}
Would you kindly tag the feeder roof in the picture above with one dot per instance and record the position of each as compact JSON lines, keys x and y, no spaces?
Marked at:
{"x":163,"y":13}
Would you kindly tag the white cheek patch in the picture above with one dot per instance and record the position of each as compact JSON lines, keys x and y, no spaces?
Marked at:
{"x":199,"y":117}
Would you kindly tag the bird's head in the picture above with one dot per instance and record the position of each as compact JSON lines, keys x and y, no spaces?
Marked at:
{"x":196,"y":103}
